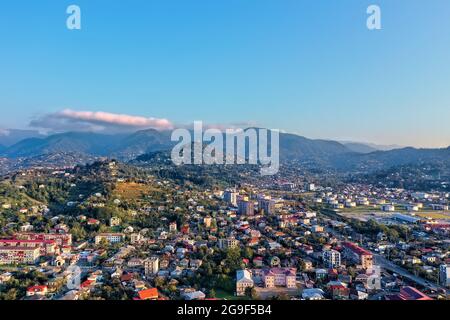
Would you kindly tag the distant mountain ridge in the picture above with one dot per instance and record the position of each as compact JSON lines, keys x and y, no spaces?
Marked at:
{"x":125,"y":147}
{"x":363,"y":147}
{"x":10,"y":137}
{"x":386,"y":159}
{"x":360,"y":147}
{"x":128,"y":146}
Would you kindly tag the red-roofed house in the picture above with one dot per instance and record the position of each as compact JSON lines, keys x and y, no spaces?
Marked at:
{"x":37,"y":291}
{"x":357,"y":255}
{"x":339,"y":292}
{"x":148,"y":294}
{"x":87,"y":284}
{"x":409,"y":293}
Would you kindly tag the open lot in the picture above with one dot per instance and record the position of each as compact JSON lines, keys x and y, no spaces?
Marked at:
{"x":133,"y":190}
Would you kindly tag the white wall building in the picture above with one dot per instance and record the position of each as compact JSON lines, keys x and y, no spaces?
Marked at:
{"x":243,"y":281}
{"x":331,"y":259}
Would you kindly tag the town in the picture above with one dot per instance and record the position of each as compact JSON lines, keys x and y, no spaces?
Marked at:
{"x":121,"y":232}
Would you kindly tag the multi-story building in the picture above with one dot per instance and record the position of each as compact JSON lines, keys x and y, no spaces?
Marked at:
{"x":358,"y":255}
{"x":151,"y":266}
{"x":230,"y":196}
{"x":267,"y":205}
{"x":46,"y":247}
{"x":243,"y":281}
{"x":246,"y":207}
{"x":207,"y":221}
{"x":173,"y":227}
{"x":61,"y":239}
{"x":280,"y":277}
{"x":19,"y":255}
{"x":135,"y":238}
{"x":110,"y":237}
{"x":331,"y":259}
{"x":444,"y":275}
{"x":228,"y":243}
{"x":115,"y":221}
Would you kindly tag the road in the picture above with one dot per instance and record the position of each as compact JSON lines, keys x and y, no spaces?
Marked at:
{"x":390,"y":266}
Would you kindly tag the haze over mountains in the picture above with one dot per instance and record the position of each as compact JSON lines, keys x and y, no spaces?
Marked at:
{"x":12,"y":136}
{"x":128,"y":146}
{"x":365,"y":147}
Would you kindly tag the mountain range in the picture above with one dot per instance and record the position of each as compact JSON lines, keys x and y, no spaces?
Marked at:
{"x":125,"y":147}
{"x":10,"y":137}
{"x":365,"y":147}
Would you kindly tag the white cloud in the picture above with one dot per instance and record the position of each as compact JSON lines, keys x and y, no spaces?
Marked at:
{"x":71,"y":120}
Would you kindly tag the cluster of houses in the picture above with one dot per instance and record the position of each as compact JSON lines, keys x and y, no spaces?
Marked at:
{"x":295,"y":250}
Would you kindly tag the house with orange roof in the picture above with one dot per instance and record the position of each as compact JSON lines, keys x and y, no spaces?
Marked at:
{"x":148,"y":294}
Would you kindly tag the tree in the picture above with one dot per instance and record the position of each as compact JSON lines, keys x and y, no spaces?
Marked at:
{"x":251,"y":293}
{"x":248,"y":253}
{"x":159,"y":282}
{"x":233,"y":260}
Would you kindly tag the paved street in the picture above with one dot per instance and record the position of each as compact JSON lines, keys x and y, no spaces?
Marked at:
{"x":386,"y":264}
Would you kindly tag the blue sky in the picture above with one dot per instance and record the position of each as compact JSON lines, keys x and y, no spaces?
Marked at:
{"x":309,"y":67}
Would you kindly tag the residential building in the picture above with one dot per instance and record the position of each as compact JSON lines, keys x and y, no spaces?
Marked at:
{"x":409,"y":293}
{"x":280,"y":277}
{"x":110,"y":237}
{"x":243,"y":281}
{"x":37,"y":291}
{"x":61,"y":239}
{"x":19,"y":255}
{"x":151,"y":266}
{"x":46,"y":247}
{"x":228,"y":243}
{"x":230,"y":196}
{"x":207,"y":221}
{"x":114,"y":222}
{"x":267,"y":205}
{"x":331,"y":259}
{"x":173,"y":227}
{"x":135,"y":238}
{"x":148,"y":294}
{"x":358,"y":255}
{"x":246,"y":207}
{"x":444,"y":275}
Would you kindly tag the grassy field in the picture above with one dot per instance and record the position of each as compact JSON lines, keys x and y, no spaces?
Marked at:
{"x":434,"y":215}
{"x":133,"y":191}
